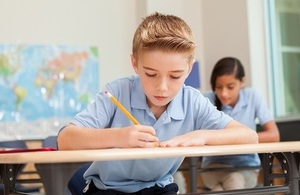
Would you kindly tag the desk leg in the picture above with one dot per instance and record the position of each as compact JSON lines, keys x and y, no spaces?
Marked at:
{"x":294,"y":159}
{"x":267,"y":164}
{"x":290,"y":164}
{"x":193,"y":174}
{"x":55,"y":176}
{"x":9,"y":174}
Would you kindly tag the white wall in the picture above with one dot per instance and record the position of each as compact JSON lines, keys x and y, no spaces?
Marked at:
{"x":221,"y":28}
{"x":258,"y":56}
{"x":225,"y":33}
{"x":106,"y":24}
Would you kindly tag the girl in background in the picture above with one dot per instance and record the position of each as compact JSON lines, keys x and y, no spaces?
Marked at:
{"x":247,"y":106}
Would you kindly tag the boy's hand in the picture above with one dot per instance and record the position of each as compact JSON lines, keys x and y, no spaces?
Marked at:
{"x":190,"y":139}
{"x":138,"y":136}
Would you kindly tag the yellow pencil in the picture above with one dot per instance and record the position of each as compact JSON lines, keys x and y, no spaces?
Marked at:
{"x":122,"y":108}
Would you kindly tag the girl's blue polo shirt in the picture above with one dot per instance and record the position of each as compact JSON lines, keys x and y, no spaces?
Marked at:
{"x":250,"y":106}
{"x":189,"y":110}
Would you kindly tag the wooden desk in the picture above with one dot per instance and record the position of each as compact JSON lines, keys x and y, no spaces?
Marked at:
{"x":288,"y":152}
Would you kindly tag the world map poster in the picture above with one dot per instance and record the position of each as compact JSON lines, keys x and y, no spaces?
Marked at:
{"x":43,"y":86}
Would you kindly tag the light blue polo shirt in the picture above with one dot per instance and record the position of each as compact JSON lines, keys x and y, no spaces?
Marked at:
{"x":189,"y":110}
{"x":250,"y":107}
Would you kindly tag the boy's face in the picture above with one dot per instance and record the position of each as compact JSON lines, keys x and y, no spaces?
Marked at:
{"x":162,"y":75}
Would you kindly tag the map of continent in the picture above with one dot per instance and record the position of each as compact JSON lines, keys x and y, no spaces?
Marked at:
{"x":41,"y":85}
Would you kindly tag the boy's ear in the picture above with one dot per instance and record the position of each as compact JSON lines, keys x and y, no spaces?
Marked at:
{"x":191,"y":66}
{"x":134,"y":63}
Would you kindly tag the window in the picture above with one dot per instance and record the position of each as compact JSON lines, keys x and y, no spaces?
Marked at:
{"x":284,"y":18}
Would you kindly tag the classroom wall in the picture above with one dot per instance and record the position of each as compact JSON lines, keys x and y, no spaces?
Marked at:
{"x":107,"y":24}
{"x":221,"y":28}
{"x":236,"y":28}
{"x":225,"y":32}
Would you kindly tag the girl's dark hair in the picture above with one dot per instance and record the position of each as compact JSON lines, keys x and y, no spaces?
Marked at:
{"x":226,"y":66}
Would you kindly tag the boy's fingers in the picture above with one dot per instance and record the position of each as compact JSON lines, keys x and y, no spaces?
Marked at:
{"x":162,"y":145}
{"x":150,"y":144}
{"x":156,"y":144}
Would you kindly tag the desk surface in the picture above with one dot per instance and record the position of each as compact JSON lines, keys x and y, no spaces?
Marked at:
{"x":145,"y":153}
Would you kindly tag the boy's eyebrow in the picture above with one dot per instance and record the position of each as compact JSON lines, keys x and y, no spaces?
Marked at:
{"x":152,"y":69}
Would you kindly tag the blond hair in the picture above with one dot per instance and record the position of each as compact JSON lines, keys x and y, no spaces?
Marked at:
{"x":163,"y":32}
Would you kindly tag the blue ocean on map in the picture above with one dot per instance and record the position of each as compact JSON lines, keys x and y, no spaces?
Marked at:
{"x":46,"y":82}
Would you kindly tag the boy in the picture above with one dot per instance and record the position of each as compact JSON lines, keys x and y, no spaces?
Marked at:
{"x":169,"y":113}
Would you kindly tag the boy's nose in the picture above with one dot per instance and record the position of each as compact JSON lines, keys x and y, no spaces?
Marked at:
{"x":162,"y":85}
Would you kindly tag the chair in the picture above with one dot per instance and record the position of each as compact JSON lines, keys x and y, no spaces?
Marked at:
{"x":77,"y":183}
{"x":192,"y":168}
{"x":50,"y":142}
{"x":20,"y":187}
{"x":49,"y":171}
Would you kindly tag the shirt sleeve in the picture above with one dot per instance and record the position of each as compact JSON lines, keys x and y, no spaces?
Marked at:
{"x":211,"y":96}
{"x":97,"y":114}
{"x":210,"y":117}
{"x":263,"y":112}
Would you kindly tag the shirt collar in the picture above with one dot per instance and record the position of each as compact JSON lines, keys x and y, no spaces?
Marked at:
{"x":175,"y":108}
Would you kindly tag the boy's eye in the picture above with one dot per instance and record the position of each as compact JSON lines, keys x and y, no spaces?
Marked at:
{"x":175,"y":77}
{"x":150,"y":75}
{"x":155,"y":75}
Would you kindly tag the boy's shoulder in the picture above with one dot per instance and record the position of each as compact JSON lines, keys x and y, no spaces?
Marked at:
{"x":123,"y":81}
{"x":192,"y":94}
{"x":209,"y":93}
{"x":124,"y":86}
{"x":190,"y":90}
